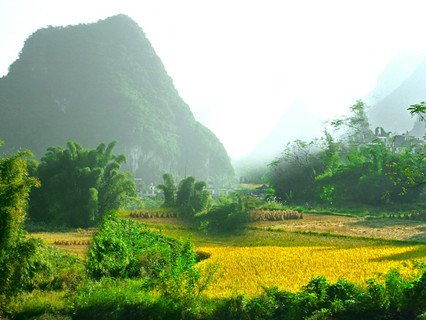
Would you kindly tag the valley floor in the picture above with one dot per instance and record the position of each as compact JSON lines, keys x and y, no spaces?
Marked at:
{"x":288,"y":253}
{"x":384,"y":228}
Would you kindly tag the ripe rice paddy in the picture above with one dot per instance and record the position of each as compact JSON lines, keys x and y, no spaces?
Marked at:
{"x":265,"y":256}
{"x":245,"y":270}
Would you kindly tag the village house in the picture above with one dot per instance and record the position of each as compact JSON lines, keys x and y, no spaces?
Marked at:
{"x":398,"y":142}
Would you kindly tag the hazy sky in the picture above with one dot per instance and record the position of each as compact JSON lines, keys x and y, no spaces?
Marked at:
{"x":241,"y":64}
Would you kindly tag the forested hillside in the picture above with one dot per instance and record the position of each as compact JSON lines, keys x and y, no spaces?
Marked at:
{"x":102,"y":82}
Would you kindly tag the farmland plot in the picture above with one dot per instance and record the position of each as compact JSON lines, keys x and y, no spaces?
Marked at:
{"x":245,"y":270}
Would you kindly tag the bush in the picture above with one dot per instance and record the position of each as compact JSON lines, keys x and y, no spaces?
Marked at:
{"x":19,"y":266}
{"x":224,"y":218}
{"x":42,"y":305}
{"x":394,"y":299}
{"x":31,"y":265}
{"x":124,"y":299}
{"x":127,"y":249}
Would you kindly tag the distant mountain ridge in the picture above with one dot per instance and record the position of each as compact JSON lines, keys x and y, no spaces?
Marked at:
{"x":390,"y":112}
{"x":101,"y":82}
{"x":400,"y":68}
{"x":298,"y":122}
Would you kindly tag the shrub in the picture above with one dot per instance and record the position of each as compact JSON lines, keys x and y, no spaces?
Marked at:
{"x":31,"y":265}
{"x":224,"y":218}
{"x":41,"y":305}
{"x":127,"y":249}
{"x":19,"y":266}
{"x":124,"y":299}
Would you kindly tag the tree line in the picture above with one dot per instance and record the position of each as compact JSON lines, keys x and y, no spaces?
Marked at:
{"x":194,"y":203}
{"x":350,"y":166}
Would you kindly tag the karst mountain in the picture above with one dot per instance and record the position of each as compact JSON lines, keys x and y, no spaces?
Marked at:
{"x":101,"y":82}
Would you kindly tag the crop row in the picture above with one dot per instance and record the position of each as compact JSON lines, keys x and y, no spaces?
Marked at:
{"x":274,"y":215}
{"x":414,"y":215}
{"x":72,"y":242}
{"x":160,"y":213}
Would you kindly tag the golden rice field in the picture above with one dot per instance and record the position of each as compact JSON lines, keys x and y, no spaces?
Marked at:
{"x":245,"y":270}
{"x":267,"y":254}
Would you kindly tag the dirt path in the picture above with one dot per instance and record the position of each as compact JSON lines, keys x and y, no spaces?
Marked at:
{"x":362,"y":227}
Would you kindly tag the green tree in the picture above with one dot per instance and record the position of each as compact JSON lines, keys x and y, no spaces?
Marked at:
{"x":202,"y":197}
{"x":410,"y":173}
{"x":127,"y":249}
{"x":418,"y":109}
{"x":363,"y":169}
{"x":331,"y":153}
{"x":353,"y":167}
{"x":17,"y":253}
{"x":363,"y":177}
{"x":79,"y":185}
{"x":356,"y":128}
{"x":292,"y":175}
{"x":192,"y":197}
{"x":224,"y":217}
{"x":15,"y":185}
{"x":169,"y":190}
{"x":184,"y":196}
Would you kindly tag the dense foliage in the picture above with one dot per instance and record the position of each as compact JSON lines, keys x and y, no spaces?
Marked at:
{"x":138,"y":273}
{"x":192,"y":197}
{"x":293,"y":174}
{"x":169,"y":190}
{"x":354,"y":167}
{"x":25,"y":263}
{"x":78,"y":185}
{"x":194,"y":203}
{"x":224,"y":217}
{"x":15,"y":185}
{"x":127,"y":249}
{"x":394,"y":298}
{"x":104,"y":82}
